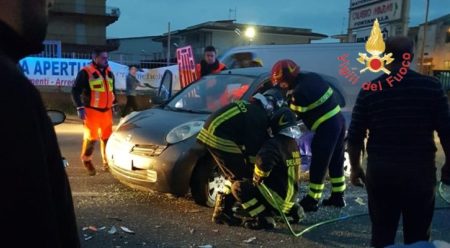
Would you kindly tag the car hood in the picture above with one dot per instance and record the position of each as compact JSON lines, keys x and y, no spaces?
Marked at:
{"x":151,"y":126}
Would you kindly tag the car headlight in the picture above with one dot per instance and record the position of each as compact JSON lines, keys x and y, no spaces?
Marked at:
{"x":184,"y":131}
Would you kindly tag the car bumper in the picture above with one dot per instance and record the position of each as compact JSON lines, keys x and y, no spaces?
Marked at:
{"x":170,"y":172}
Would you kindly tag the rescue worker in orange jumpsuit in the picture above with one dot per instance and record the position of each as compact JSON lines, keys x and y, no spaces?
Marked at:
{"x":209,"y":64}
{"x":314,"y":102}
{"x":93,"y":94}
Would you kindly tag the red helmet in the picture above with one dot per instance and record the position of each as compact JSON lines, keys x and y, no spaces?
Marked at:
{"x":284,"y":70}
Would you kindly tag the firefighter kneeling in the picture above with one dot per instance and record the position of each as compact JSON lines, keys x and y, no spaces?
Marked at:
{"x":277,"y":166}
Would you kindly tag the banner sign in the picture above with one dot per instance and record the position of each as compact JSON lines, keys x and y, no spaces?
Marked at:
{"x":63,"y":72}
{"x":186,"y":65}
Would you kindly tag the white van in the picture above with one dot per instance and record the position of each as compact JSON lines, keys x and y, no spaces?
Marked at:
{"x":337,"y":60}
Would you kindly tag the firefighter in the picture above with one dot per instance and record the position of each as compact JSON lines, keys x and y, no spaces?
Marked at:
{"x":313,"y":100}
{"x":93,"y":94}
{"x":209,"y":64}
{"x":233,"y":135}
{"x":277,"y":166}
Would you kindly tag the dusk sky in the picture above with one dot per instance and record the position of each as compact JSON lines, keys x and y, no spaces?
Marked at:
{"x":330,"y":17}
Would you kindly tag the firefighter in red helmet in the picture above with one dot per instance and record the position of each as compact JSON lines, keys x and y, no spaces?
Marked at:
{"x":312,"y":99}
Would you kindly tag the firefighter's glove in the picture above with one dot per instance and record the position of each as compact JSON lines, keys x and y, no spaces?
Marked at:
{"x":445,"y":174}
{"x":81,"y":113}
{"x":257,"y":180}
{"x":357,"y":176}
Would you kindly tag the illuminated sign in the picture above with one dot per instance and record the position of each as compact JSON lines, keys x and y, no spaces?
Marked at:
{"x":386,"y":11}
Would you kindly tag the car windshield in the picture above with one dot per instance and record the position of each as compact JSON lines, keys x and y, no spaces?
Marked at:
{"x":211,"y":93}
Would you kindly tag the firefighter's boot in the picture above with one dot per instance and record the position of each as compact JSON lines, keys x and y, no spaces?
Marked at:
{"x":336,"y":200}
{"x":261,"y":221}
{"x":296,"y":214}
{"x":223,"y":212}
{"x":309,"y":204}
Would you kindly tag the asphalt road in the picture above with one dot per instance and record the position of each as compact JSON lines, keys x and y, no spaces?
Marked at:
{"x":102,"y":204}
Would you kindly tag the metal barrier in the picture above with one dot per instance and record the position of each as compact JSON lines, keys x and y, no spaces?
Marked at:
{"x":444,"y":78}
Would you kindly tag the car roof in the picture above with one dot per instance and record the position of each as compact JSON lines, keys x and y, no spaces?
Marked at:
{"x":250,"y":71}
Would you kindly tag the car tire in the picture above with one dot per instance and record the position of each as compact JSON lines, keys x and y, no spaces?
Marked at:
{"x":206,"y":181}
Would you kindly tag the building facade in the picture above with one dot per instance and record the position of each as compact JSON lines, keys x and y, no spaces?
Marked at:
{"x":436,"y":44}
{"x":80,"y":26}
{"x":227,"y":34}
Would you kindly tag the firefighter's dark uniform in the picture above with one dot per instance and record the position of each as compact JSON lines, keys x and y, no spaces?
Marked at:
{"x":234,"y":135}
{"x":278,"y":164}
{"x":314,"y":102}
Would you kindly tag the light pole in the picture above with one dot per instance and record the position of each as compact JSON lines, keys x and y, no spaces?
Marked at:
{"x":422,"y":50}
{"x":168,"y":44}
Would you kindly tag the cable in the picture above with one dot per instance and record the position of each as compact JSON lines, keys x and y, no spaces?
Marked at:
{"x":309,"y":228}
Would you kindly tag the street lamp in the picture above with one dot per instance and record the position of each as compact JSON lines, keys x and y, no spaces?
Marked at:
{"x":250,"y":33}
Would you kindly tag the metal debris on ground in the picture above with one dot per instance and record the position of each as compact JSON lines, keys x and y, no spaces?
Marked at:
{"x":360,"y":201}
{"x":248,"y":241}
{"x":92,"y":228}
{"x":125,"y":229}
{"x":113,"y":230}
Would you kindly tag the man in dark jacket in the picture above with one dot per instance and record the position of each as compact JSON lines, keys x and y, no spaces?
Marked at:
{"x":36,"y":208}
{"x":131,"y":84}
{"x":401,"y":172}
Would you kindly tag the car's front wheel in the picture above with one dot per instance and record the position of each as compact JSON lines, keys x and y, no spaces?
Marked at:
{"x":206,"y":182}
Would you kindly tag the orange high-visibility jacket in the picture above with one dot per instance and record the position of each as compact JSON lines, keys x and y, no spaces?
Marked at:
{"x":101,"y":88}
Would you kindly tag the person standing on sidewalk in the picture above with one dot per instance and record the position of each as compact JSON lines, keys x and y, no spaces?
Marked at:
{"x":37,"y":208}
{"x":131,"y":84}
{"x":93,"y":94}
{"x":401,"y":171}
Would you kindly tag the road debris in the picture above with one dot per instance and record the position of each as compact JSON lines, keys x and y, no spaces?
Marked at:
{"x":127,"y":230}
{"x":93,"y":228}
{"x":113,"y":230}
{"x":360,"y":201}
{"x":250,"y":240}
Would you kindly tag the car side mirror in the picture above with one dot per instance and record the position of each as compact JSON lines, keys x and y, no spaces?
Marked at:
{"x":57,"y":117}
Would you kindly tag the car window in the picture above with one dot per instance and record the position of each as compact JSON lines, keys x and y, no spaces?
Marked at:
{"x":211,"y":93}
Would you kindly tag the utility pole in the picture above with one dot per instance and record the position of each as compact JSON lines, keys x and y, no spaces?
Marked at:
{"x":168,"y":44}
{"x":422,"y":52}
